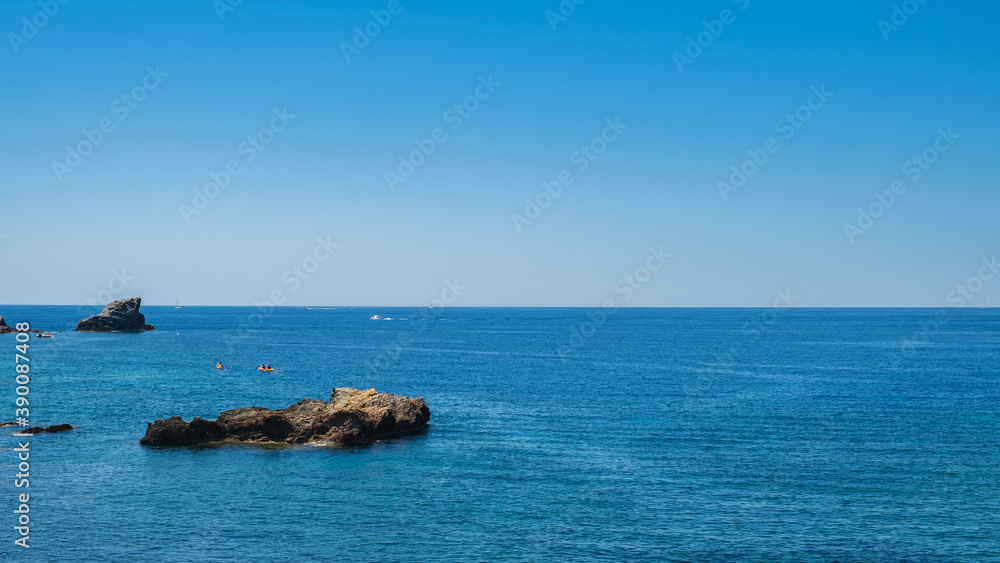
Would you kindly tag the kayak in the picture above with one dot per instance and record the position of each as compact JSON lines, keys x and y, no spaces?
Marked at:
{"x":263,"y":369}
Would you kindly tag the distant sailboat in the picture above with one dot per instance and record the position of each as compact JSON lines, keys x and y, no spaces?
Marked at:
{"x":984,"y":304}
{"x":178,"y":304}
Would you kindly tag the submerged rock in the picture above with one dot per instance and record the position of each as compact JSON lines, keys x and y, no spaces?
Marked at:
{"x":49,"y":430}
{"x":118,"y":316}
{"x":351,"y":417}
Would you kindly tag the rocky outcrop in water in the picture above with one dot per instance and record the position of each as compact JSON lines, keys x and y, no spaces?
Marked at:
{"x":48,"y":430}
{"x":4,"y":329}
{"x":39,"y":429}
{"x":350,"y":417}
{"x":118,"y":316}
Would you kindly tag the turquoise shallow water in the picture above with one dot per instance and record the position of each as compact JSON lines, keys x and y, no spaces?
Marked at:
{"x":677,"y":435}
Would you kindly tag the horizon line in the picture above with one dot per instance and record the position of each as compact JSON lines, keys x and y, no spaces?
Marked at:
{"x":328,"y":307}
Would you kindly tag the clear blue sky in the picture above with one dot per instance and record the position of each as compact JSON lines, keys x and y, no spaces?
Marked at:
{"x":655,"y":185}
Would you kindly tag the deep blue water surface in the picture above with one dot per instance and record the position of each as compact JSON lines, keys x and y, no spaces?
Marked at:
{"x":677,"y":435}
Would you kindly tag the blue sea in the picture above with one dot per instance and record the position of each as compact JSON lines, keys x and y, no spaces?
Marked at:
{"x":555,"y":435}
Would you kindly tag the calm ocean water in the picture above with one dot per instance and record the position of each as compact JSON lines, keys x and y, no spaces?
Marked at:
{"x":669,"y":435}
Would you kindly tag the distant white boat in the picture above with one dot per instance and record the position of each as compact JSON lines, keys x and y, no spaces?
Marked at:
{"x":177,"y":305}
{"x":376,"y":318}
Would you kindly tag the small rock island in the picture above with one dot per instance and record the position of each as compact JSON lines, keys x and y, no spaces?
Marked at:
{"x":49,"y":429}
{"x":351,"y":417}
{"x":118,"y":316}
{"x":4,"y":329}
